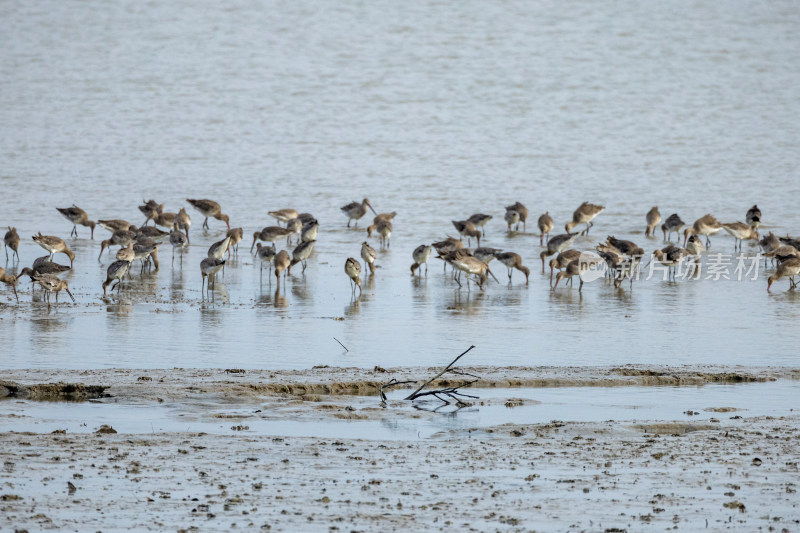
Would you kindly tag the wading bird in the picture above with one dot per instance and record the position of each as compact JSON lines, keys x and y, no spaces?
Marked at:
{"x":77,"y":216}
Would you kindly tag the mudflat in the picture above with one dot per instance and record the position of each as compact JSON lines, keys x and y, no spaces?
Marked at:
{"x":727,"y":468}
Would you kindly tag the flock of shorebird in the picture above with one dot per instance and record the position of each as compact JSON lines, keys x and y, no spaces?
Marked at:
{"x":620,"y":258}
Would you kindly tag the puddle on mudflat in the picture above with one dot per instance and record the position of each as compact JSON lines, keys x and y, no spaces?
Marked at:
{"x":361,"y":417}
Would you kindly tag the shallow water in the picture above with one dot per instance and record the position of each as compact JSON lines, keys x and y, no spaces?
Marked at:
{"x":539,"y":406}
{"x":433,"y":110}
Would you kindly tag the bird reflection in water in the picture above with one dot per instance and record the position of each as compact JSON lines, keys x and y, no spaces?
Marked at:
{"x":47,"y":327}
{"x":354,"y":307}
{"x":275,"y":299}
{"x":176,"y":287}
{"x":118,"y":304}
{"x":420,"y":292}
{"x":301,"y":292}
{"x":218,"y":295}
{"x":468,"y":302}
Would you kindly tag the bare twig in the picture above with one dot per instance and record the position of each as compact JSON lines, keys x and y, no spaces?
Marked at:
{"x":451,"y":392}
{"x":340,"y":344}
{"x":416,"y":393}
{"x":392,"y":383}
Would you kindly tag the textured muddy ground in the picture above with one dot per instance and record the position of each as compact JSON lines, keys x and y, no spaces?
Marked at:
{"x":733,"y":471}
{"x":591,"y":477}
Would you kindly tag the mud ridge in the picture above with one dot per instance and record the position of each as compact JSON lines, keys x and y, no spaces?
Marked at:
{"x":52,"y":392}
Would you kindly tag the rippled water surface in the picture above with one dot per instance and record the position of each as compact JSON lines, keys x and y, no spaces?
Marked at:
{"x":436,"y":110}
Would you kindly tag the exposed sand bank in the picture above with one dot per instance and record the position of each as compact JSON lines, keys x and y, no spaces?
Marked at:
{"x":241,"y":384}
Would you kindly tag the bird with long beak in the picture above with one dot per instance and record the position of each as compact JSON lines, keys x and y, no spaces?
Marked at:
{"x":209,"y":267}
{"x":673,"y":223}
{"x":382,"y":217}
{"x":467,"y":229}
{"x":77,"y":216}
{"x":706,"y":225}
{"x":116,"y":271}
{"x":281,"y":262}
{"x":270,"y":234}
{"x":9,"y":279}
{"x":512,"y":260}
{"x":585,"y":213}
{"x":300,"y":254}
{"x":480,"y":220}
{"x":421,"y":254}
{"x":670,"y":256}
{"x":788,"y":269}
{"x":353,"y":270}
{"x":368,"y":254}
{"x":150,"y":209}
{"x":115,"y":224}
{"x":54,"y":245}
{"x":51,"y":284}
{"x":283,"y":215}
{"x":209,"y":208}
{"x":119,"y":238}
{"x":572,"y":269}
{"x":265,"y":254}
{"x":471,"y":266}
{"x":741,"y":232}
{"x":236,"y":235}
{"x":356,"y":210}
{"x":561,"y":261}
{"x":557,"y":244}
{"x":183,"y":221}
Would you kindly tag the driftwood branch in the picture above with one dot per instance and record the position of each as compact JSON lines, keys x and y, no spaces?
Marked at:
{"x":445,"y":395}
{"x":450,"y":392}
{"x":417,"y":393}
{"x":392,"y":383}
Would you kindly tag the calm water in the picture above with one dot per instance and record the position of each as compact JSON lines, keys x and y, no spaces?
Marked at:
{"x":580,"y":404}
{"x":436,"y":110}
